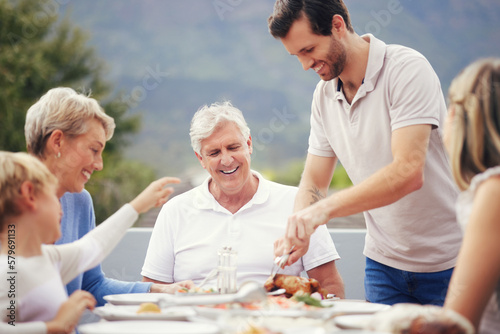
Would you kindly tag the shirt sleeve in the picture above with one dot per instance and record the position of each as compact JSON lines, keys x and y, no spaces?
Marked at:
{"x":318,"y":141}
{"x":99,"y":286}
{"x":90,"y":250}
{"x":416,"y":95}
{"x":321,"y":249}
{"x":160,"y":258}
{"x":35,"y":327}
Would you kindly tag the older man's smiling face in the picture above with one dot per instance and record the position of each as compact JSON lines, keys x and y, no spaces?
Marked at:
{"x":226,"y":155}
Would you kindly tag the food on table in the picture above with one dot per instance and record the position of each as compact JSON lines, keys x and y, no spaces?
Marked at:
{"x":413,"y":319}
{"x":307,"y":299}
{"x":196,"y":290}
{"x":252,"y":329}
{"x":294,"y":284}
{"x":302,"y":302}
{"x":148,"y":308}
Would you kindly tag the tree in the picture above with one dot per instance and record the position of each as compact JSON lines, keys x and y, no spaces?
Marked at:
{"x":39,"y":52}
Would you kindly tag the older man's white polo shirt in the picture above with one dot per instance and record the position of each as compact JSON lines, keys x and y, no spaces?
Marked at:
{"x":193,"y":226}
{"x":419,"y":232}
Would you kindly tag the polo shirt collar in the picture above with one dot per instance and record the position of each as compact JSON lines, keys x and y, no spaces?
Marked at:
{"x":204,"y":200}
{"x":376,"y":58}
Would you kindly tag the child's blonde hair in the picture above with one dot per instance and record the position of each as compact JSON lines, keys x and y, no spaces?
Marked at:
{"x":16,"y":168}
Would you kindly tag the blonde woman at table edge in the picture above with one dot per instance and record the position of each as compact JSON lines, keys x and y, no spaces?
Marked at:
{"x":472,"y":138}
{"x":68,"y":131}
{"x":30,"y":215}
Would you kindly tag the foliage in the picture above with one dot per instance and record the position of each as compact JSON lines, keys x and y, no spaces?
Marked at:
{"x":293,"y":172}
{"x":40,"y":52}
{"x":118,"y":183}
{"x":340,"y":179}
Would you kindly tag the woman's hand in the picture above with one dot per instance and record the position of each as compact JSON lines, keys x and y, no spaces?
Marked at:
{"x":154,"y":195}
{"x":70,"y":312}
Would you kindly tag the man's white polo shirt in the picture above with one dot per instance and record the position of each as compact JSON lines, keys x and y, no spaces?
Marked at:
{"x":193,"y":226}
{"x":419,"y":232}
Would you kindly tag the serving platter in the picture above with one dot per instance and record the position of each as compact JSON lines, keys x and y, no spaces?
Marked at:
{"x":353,"y":321}
{"x":136,"y":298}
{"x":129,"y":312}
{"x":274,"y":309}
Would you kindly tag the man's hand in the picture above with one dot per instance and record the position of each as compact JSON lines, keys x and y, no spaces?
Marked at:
{"x":171,"y":288}
{"x":70,"y":312}
{"x":301,"y":225}
{"x":299,"y":250}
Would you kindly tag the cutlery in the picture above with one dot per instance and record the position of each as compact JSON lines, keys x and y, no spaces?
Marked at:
{"x":248,"y":292}
{"x":280,"y":261}
{"x":210,"y":275}
{"x":277,"y":292}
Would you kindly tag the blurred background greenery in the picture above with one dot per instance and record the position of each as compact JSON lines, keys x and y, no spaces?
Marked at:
{"x":153,"y":63}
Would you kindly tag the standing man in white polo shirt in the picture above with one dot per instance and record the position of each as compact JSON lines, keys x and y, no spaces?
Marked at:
{"x":378,"y":110}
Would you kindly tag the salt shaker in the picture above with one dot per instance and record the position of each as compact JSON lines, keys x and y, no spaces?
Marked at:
{"x":226,"y":281}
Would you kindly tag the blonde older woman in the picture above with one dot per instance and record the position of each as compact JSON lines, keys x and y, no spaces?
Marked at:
{"x":68,"y":131}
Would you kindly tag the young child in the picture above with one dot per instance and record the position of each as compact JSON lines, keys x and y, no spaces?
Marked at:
{"x":36,"y":272}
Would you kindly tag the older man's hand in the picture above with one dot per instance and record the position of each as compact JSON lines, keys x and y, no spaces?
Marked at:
{"x":172,"y":287}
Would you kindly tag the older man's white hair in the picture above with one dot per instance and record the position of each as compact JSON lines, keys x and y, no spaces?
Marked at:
{"x":207,"y":118}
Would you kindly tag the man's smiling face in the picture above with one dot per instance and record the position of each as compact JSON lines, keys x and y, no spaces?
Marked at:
{"x":326,"y":55}
{"x":226,"y":155}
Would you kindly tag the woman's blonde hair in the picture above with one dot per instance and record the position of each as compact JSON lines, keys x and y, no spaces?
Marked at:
{"x":475,"y":142}
{"x":62,"y":109}
{"x":16,"y":168}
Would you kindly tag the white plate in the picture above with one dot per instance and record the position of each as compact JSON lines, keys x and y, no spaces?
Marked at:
{"x":274,"y":324}
{"x":215,"y":313}
{"x":335,"y":307}
{"x":352,"y":321}
{"x":136,"y":298}
{"x":129,"y":312}
{"x":148,"y":327}
{"x":354,"y":307}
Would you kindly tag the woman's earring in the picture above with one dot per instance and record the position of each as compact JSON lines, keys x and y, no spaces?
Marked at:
{"x":58,"y":155}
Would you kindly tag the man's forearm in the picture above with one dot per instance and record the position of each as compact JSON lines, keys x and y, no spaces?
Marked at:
{"x":316,"y":178}
{"x":376,"y":191}
{"x":308,"y":195}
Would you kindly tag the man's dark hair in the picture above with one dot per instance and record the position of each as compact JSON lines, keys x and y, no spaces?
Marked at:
{"x":318,"y":12}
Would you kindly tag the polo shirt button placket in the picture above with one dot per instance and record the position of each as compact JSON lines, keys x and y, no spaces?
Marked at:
{"x":234,"y":226}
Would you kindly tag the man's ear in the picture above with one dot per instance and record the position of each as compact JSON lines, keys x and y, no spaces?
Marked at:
{"x":201,"y":160}
{"x":338,"y":24}
{"x":27,"y":192}
{"x":249,"y":143}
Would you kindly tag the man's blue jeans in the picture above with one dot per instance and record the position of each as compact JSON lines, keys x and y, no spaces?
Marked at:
{"x":387,"y":285}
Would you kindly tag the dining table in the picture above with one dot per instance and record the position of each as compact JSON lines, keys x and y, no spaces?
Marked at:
{"x":214,"y":313}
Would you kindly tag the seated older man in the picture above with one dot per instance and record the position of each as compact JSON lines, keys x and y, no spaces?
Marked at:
{"x":234,"y":207}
